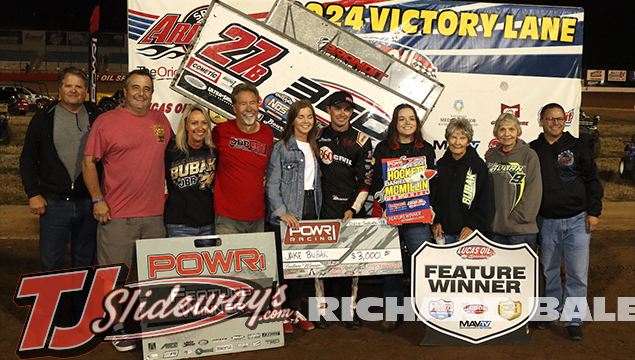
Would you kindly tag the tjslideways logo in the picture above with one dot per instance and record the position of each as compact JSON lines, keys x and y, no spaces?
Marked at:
{"x":172,"y":301}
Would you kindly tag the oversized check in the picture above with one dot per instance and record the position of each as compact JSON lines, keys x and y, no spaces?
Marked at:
{"x":330,"y":248}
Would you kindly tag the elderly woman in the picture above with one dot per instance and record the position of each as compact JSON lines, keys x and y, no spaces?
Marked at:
{"x":189,"y":171}
{"x":294,"y":191}
{"x":462,"y":198}
{"x":515,"y":172}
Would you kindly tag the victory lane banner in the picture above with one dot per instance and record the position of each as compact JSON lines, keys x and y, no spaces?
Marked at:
{"x":330,"y":248}
{"x":406,"y":191}
{"x":475,"y":290}
{"x":227,"y":276}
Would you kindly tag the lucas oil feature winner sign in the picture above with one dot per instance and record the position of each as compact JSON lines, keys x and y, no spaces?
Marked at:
{"x":475,"y":290}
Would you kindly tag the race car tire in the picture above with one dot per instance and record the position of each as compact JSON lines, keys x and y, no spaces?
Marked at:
{"x":626,"y":168}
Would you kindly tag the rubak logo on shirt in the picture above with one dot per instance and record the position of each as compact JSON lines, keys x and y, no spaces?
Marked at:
{"x":186,"y":303}
{"x":313,"y":233}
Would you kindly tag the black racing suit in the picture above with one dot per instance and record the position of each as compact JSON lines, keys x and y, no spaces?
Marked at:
{"x":345,"y":161}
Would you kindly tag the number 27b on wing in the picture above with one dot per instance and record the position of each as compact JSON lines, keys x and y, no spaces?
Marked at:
{"x":243,"y":53}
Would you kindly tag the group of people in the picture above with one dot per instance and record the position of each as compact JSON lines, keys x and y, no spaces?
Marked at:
{"x":100,"y":179}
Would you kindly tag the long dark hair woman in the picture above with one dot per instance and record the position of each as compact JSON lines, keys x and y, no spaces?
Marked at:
{"x":403,"y":140}
{"x":294,"y":190}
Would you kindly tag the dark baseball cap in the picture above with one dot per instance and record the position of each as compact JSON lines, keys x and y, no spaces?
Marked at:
{"x":340,"y":97}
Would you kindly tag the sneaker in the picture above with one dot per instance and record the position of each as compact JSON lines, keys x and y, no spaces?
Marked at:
{"x":322,"y":323}
{"x":125,"y":344}
{"x":287,"y":326}
{"x":302,"y":322}
{"x":574,"y":332}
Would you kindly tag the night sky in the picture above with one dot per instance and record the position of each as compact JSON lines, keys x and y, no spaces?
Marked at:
{"x":608,"y":34}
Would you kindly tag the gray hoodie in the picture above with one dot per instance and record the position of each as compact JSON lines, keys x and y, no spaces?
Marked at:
{"x":517,"y":189}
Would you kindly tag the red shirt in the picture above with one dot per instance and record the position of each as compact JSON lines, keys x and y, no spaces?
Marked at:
{"x":131,"y":149}
{"x":239,"y":191}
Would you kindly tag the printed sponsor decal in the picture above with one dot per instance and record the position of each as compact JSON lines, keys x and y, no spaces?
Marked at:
{"x":474,"y":309}
{"x":313,"y":233}
{"x":511,"y":109}
{"x":510,"y":310}
{"x":475,"y":324}
{"x":475,"y":252}
{"x":441,"y":309}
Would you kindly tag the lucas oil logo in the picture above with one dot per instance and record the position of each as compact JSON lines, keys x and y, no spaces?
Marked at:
{"x":167,"y":35}
{"x":475,"y":252}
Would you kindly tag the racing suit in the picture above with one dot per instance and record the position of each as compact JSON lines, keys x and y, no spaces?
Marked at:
{"x":345,"y":161}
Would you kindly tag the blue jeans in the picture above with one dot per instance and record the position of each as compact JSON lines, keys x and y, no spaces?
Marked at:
{"x":568,"y":239}
{"x":180,"y":230}
{"x":411,"y":237}
{"x":529,"y":239}
{"x":64,"y":220}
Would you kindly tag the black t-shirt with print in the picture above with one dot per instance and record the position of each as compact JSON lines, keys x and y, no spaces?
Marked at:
{"x":189,"y":182}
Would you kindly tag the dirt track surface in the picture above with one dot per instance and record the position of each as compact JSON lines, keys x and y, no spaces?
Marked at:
{"x":612,"y":274}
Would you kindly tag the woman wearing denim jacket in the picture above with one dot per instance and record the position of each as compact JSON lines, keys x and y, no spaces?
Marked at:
{"x":293,"y":190}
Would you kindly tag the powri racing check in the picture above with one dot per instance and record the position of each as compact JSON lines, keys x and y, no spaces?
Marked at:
{"x":330,"y":248}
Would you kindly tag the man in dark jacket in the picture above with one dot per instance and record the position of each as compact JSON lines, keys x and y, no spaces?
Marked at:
{"x":571,"y":205}
{"x":345,"y":161}
{"x":50,"y":166}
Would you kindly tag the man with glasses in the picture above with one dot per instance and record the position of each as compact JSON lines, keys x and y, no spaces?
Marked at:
{"x":571,"y":205}
{"x":244,"y":146}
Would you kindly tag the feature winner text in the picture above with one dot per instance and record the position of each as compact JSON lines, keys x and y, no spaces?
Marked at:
{"x":474,"y":279}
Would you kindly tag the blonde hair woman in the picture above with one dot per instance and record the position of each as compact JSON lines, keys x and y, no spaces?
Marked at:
{"x":189,"y":172}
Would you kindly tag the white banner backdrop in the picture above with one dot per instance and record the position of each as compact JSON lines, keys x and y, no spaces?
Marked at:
{"x":491,"y":57}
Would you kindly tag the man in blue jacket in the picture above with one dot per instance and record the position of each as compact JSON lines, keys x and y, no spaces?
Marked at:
{"x":50,"y":166}
{"x":571,"y":204}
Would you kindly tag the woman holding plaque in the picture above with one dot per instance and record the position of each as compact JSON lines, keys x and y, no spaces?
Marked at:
{"x":403,"y":141}
{"x":293,"y":191}
{"x":463,"y":195}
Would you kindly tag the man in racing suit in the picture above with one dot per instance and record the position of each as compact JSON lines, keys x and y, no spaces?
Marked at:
{"x":345,"y":161}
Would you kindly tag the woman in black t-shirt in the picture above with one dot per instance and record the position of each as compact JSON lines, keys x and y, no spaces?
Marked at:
{"x":189,"y":171}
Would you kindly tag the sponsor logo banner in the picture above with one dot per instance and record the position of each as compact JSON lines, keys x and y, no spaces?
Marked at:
{"x":251,"y":257}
